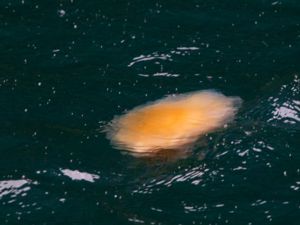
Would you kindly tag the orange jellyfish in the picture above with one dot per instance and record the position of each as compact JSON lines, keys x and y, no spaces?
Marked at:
{"x":171,"y":123}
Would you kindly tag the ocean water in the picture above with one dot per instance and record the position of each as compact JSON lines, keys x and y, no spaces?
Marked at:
{"x":68,"y":67}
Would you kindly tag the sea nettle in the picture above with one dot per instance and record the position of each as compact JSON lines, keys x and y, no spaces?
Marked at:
{"x":175,"y":122}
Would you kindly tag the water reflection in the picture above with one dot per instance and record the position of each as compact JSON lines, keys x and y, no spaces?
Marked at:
{"x":77,"y":175}
{"x":150,"y":57}
{"x":187,"y":48}
{"x":289,"y":111}
{"x":193,"y":176}
{"x":158,"y":60}
{"x":157,"y":56}
{"x":286,"y":104}
{"x":159,"y":75}
{"x":13,"y":188}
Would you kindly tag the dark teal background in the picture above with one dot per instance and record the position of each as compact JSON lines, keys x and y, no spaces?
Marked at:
{"x":67,"y":67}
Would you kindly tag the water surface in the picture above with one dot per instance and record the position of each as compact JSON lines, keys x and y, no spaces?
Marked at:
{"x":67,"y":67}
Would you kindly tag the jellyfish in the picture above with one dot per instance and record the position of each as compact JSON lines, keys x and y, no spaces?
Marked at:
{"x":174,"y":122}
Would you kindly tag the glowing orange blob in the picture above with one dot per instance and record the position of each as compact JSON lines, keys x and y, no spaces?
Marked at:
{"x":173,"y":122}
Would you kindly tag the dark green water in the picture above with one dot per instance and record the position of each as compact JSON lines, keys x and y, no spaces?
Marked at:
{"x":67,"y":67}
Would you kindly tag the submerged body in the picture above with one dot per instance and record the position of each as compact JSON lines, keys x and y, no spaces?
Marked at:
{"x":173,"y":122}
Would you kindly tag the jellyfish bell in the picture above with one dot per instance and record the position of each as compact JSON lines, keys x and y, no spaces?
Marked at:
{"x":175,"y":122}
